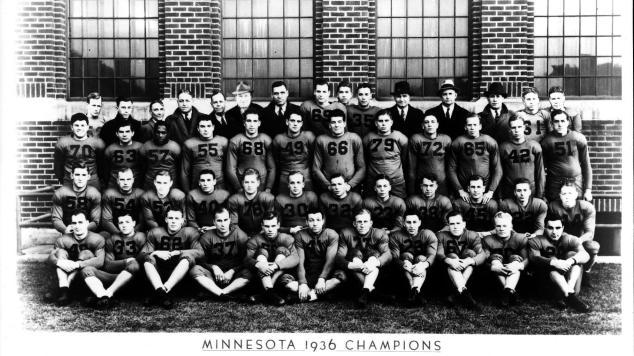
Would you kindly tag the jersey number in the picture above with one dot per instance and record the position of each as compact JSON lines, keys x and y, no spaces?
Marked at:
{"x":560,"y":148}
{"x":376,"y":142}
{"x":470,"y":148}
{"x":168,"y":244}
{"x":520,"y":156}
{"x":158,"y":155}
{"x":296,"y":147}
{"x":255,"y":147}
{"x":205,"y":149}
{"x":436,"y":151}
{"x":289,"y":210}
{"x":334,"y":148}
{"x":129,"y":247}
{"x":119,"y":156}
{"x":86,"y":151}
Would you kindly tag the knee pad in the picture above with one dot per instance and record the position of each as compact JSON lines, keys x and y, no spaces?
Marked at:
{"x":196,"y":271}
{"x":286,"y":279}
{"x":497,"y":257}
{"x":132,"y":267}
{"x":88,"y":271}
{"x":406,"y":256}
{"x":592,"y":247}
{"x":281,"y":250}
{"x":468,"y":253}
{"x":262,"y":252}
{"x":420,"y":258}
{"x":85,"y":255}
{"x":516,"y":258}
{"x":570,"y":254}
{"x":354,"y":253}
{"x":340,"y":275}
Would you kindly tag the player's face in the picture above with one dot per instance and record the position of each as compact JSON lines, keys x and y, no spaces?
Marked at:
{"x":124,"y":134}
{"x":560,"y":124}
{"x":568,"y":196}
{"x":296,"y":184}
{"x":80,"y":225}
{"x":428,"y":187}
{"x":218,"y":103}
{"x":364,"y":96}
{"x":503,"y":227}
{"x":206,"y":183}
{"x":412,"y":224}
{"x":174,"y":220}
{"x":125,"y":181}
{"x":473,"y":127}
{"x":495,"y":101}
{"x":250,"y":184}
{"x":295,"y":123}
{"x":382,"y":188}
{"x":337,"y":125}
{"x":430,"y":124}
{"x":280,"y":95}
{"x":522,"y":192}
{"x":157,"y":111}
{"x":163,"y":184}
{"x":160,"y":135}
{"x":270,"y":228}
{"x":531,"y":102}
{"x":402,"y":100}
{"x":384,"y":124}
{"x":315,"y":222}
{"x":554,"y":229}
{"x":476,"y":189}
{"x":125,"y":109}
{"x":185,"y":102}
{"x":344,"y":94}
{"x":222,"y":222}
{"x":206,"y":129}
{"x":517,"y":130}
{"x":94,"y":107}
{"x":362,"y":223}
{"x":80,"y":128}
{"x":80,"y":178}
{"x":557,"y":100}
{"x":252,"y":124}
{"x":243,"y":100}
{"x":337,"y":186}
{"x":322,"y":93}
{"x":448,"y":97}
{"x":456,"y":225}
{"x":126,"y":225}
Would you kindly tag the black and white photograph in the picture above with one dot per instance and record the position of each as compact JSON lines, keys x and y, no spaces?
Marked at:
{"x":325,"y":176}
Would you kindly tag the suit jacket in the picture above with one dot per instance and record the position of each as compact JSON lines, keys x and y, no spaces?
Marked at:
{"x":454,"y":127}
{"x":234,"y":119}
{"x":108,"y":131}
{"x":413,"y":121}
{"x":498,"y":129}
{"x":178,"y":129}
{"x":271,"y":123}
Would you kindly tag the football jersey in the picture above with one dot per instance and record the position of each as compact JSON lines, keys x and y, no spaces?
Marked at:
{"x":293,"y":154}
{"x":428,"y":156}
{"x":69,"y":151}
{"x":385,"y":214}
{"x":120,"y":248}
{"x":155,"y":208}
{"x":226,"y":252}
{"x":579,"y":221}
{"x":469,"y":156}
{"x":424,"y":243}
{"x":340,"y":212}
{"x":447,"y":243}
{"x":201,"y":206}
{"x":248,"y":214}
{"x":432,"y":211}
{"x":478,"y":216}
{"x":159,"y":158}
{"x":541,"y":249}
{"x":522,"y":160}
{"x":339,"y":155}
{"x":314,"y":115}
{"x":114,"y":203}
{"x":261,"y":242}
{"x":385,"y":154}
{"x":319,"y":250}
{"x":118,"y":157}
{"x":66,"y":201}
{"x":567,"y":156}
{"x":361,"y":120}
{"x":575,"y":119}
{"x":200,"y":154}
{"x":294,"y":210}
{"x":528,"y":219}
{"x":516,"y":244}
{"x":536,"y":125}
{"x":93,"y":242}
{"x":374,"y":241}
{"x":184,"y":240}
{"x":245,"y":152}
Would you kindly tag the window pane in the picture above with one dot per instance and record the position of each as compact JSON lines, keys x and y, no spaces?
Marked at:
{"x":430,"y":86}
{"x":398,"y":68}
{"x":541,"y":85}
{"x":414,"y":8}
{"x":276,"y":68}
{"x":138,"y":68}
{"x":415,"y":27}
{"x":291,"y":48}
{"x":571,"y":46}
{"x":588,"y":46}
{"x":588,"y":26}
{"x":616,"y":66}
{"x":571,"y":26}
{"x":430,"y":47}
{"x":243,"y":28}
{"x":446,"y":67}
{"x":383,"y":28}
{"x":276,"y":28}
{"x":306,"y":28}
{"x":540,"y":46}
{"x":572,"y":7}
{"x":91,"y":68}
{"x":414,"y":48}
{"x":75,"y":28}
{"x":430,"y":68}
{"x":137,"y":8}
{"x":306,"y":68}
{"x":462,"y":47}
{"x":106,"y":28}
{"x":603,"y":86}
{"x":106,"y":48}
{"x":121,"y":8}
{"x":229,"y":68}
{"x":276,"y":48}
{"x":446,"y":27}
{"x":382,"y":86}
{"x":138,"y":87}
{"x":588,"y":86}
{"x":106,"y":68}
{"x":259,"y":8}
{"x":152,"y":68}
{"x":76,"y":48}
{"x":291,"y":27}
{"x":122,"y":86}
{"x":555,"y":46}
{"x":604,"y":25}
{"x":229,"y":8}
{"x":430,"y":8}
{"x":555,"y":26}
{"x":616,"y":86}
{"x":245,"y":68}
{"x":398,"y":27}
{"x":446,"y":8}
{"x":541,"y":26}
{"x":229,"y":28}
{"x":260,"y":28}
{"x":604,"y":46}
{"x":541,"y":7}
{"x":260,"y":67}
{"x":122,"y":67}
{"x":122,"y":48}
{"x":571,"y":66}
{"x":430,"y":27}
{"x":588,"y":66}
{"x":383,"y":68}
{"x":555,"y":7}
{"x":76,"y":67}
{"x":555,"y":66}
{"x":446,"y":47}
{"x":589,"y":7}
{"x":137,"y":48}
{"x":305,"y":8}
{"x":90,"y":8}
{"x":383,"y":47}
{"x":604,"y":64}
{"x":291,"y":68}
{"x":291,"y":8}
{"x":90,"y":28}
{"x":151,"y":8}
{"x":151,"y":28}
{"x":306,"y":88}
{"x":462,"y":7}
{"x":138,"y":28}
{"x":90,"y":49}
{"x":244,"y":48}
{"x":571,"y":86}
{"x":306,"y":48}
{"x":121,"y":28}
{"x":383,"y":8}
{"x":244,"y":8}
{"x":398,"y":47}
{"x":260,"y":48}
{"x":540,"y":67}
{"x":75,"y":9}
{"x":461,"y":67}
{"x":398,"y":7}
{"x":276,"y":9}
{"x":462,"y":27}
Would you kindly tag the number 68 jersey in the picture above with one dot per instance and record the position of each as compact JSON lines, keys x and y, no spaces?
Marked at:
{"x":159,"y":239}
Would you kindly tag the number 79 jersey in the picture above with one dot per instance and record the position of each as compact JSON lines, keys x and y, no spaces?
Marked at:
{"x":225,"y":252}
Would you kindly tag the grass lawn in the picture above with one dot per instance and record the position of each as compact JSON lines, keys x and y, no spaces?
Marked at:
{"x":533,"y":316}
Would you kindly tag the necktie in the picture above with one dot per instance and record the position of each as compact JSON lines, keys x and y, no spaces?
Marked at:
{"x":447,"y":115}
{"x":280,"y":113}
{"x":403,"y":114}
{"x":222,"y":120}
{"x":497,"y":113}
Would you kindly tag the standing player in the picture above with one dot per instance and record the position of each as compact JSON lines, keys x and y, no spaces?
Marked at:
{"x":339,"y":204}
{"x":78,"y":197}
{"x":293,"y":151}
{"x":203,"y":201}
{"x":276,"y":115}
{"x":124,"y":113}
{"x":496,"y":115}
{"x":93,"y":111}
{"x":294,"y":206}
{"x":248,"y":207}
{"x":338,"y":152}
{"x":183,"y":122}
{"x":160,"y":154}
{"x":566,"y":157}
{"x":407,"y":119}
{"x":427,"y":156}
{"x":78,"y":147}
{"x":362,"y":251}
{"x":250,"y":149}
{"x":474,"y":154}
{"x":431,"y":206}
{"x":527,"y":211}
{"x":386,"y":210}
{"x":238,"y":114}
{"x":451,"y":117}
{"x":124,"y":153}
{"x":124,"y":199}
{"x":536,"y":121}
{"x":205,"y":152}
{"x":557,"y":99}
{"x":361,"y":115}
{"x":344,"y":93}
{"x":314,"y":110}
{"x":158,"y":201}
{"x":477,"y":213}
{"x":386,"y":154}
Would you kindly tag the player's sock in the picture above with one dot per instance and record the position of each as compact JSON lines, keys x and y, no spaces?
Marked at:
{"x":64,"y":297}
{"x":312,"y":295}
{"x":122,"y":278}
{"x":95,"y":286}
{"x":364,"y":296}
{"x":209,"y":285}
{"x":576,"y":304}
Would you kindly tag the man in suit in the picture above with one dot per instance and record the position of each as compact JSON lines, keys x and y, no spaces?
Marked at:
{"x":451,"y":117}
{"x":236,"y":115}
{"x":183,"y":123}
{"x":407,"y":119}
{"x":218,"y":114}
{"x":274,"y":116}
{"x":495,"y":116}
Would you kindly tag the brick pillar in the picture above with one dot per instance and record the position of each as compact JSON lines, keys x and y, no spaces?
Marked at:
{"x":41,"y":49}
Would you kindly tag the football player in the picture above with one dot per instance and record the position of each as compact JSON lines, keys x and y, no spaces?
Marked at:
{"x":344,"y":92}
{"x":386,"y":154}
{"x":183,"y":123}
{"x":474,"y":154}
{"x":124,"y":153}
{"x":294,"y":206}
{"x":205,"y":152}
{"x":78,"y":147}
{"x":158,"y":201}
{"x":536,"y":121}
{"x":558,"y":257}
{"x":171,"y":252}
{"x":314,"y":110}
{"x":72,"y":252}
{"x":427,"y":156}
{"x":496,"y":115}
{"x":338,"y":152}
{"x":123,"y":199}
{"x":203,"y":201}
{"x":276,"y":115}
{"x":160,"y":154}
{"x":361,"y":115}
{"x":477,"y":213}
{"x":566,"y":157}
{"x":93,"y":111}
{"x":249,"y":206}
{"x":157,"y":114}
{"x":407,"y":119}
{"x":557,"y":100}
{"x":362,"y":251}
{"x":528,"y":212}
{"x":387,"y":210}
{"x":293,"y":151}
{"x":108,"y":131}
{"x":431,"y":206}
{"x":238,"y":114}
{"x":221,"y":269}
{"x":250,"y":149}
{"x":460,"y":251}
{"x":79,"y":196}
{"x":339,"y":204}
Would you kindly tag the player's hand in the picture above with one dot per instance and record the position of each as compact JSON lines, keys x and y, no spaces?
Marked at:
{"x":204,"y":229}
{"x":271,"y":267}
{"x":407,"y":266}
{"x":347,"y":187}
{"x":65,"y":265}
{"x":229,"y":275}
{"x":219,"y":275}
{"x":587,"y":195}
{"x":373,"y":262}
{"x":175,"y":253}
{"x":419,"y":269}
{"x":320,"y":287}
{"x":355,"y":265}
{"x":295,"y":229}
{"x":464,"y":195}
{"x":454,"y":264}
{"x":303,"y":292}
{"x":69,"y":229}
{"x":487,"y":196}
{"x":262,"y":267}
{"x":515,"y":266}
{"x":164,"y":255}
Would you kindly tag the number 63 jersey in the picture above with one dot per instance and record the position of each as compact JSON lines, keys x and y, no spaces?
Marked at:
{"x":226,"y":252}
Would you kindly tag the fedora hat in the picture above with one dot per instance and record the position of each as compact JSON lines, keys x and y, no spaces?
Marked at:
{"x":401,"y":88}
{"x":242,"y":88}
{"x":447,"y":84}
{"x":496,"y":88}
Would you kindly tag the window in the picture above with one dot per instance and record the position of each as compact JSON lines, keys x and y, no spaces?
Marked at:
{"x":265,"y":41}
{"x":578,"y":47}
{"x":113,"y":48}
{"x":423,"y":42}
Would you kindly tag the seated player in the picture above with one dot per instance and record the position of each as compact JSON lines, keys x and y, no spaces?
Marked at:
{"x":125,"y":252}
{"x":249,"y":206}
{"x":203,"y":201}
{"x":528,"y":212}
{"x":122,"y":199}
{"x":427,"y":156}
{"x":269,"y":255}
{"x":338,"y":152}
{"x":294,"y":206}
{"x":171,"y":252}
{"x":459,"y":252}
{"x":386,"y":154}
{"x":72,"y":252}
{"x":314,"y":110}
{"x":221,"y":269}
{"x":387,"y":210}
{"x":203,"y":152}
{"x":558,"y":257}
{"x":431,"y":206}
{"x":477,"y":213}
{"x":75,"y":148}
{"x":316,"y":273}
{"x":362,"y":251}
{"x":507,"y":256}
{"x":156,"y":202}
{"x":339,"y":205}
{"x":160,"y":154}
{"x":123,"y":154}
{"x":413,"y":251}
{"x":293,"y":151}
{"x":79,"y":196}
{"x":361,"y":116}
{"x":251,"y":149}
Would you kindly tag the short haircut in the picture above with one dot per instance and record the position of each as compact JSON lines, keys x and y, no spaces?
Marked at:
{"x":503,"y":215}
{"x":207,"y":171}
{"x":382,"y":176}
{"x":336,"y":175}
{"x":415,"y":212}
{"x":317,"y":82}
{"x":344,"y":84}
{"x":335,"y":113}
{"x":430,"y":176}
{"x":79,"y":212}
{"x":515,"y":117}
{"x":270,"y":215}
{"x":556,"y":89}
{"x":568,"y":182}
{"x":125,"y":213}
{"x":553,"y":216}
{"x":78,"y":165}
{"x":125,"y":123}
{"x":315,"y":210}
{"x":156,"y":101}
{"x":521,"y":180}
{"x":214,"y":93}
{"x":124,"y":170}
{"x":78,"y":117}
{"x":295,"y":172}
{"x":251,"y":112}
{"x":529,"y":90}
{"x":159,"y":124}
{"x":471,"y":115}
{"x":202,"y":118}
{"x":173,"y":208}
{"x":119,"y":99}
{"x":92,"y":96}
{"x":452,"y":214}
{"x":556,"y":112}
{"x":278,"y":83}
{"x":364,"y":86}
{"x":183,"y":91}
{"x":219,"y":210}
{"x":362,"y":211}
{"x":383,"y":112}
{"x":251,"y":172}
{"x":163,"y":173}
{"x":475,"y":177}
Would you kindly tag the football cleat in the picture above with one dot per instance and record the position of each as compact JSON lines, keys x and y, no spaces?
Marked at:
{"x":586,"y":280}
{"x":513,"y":297}
{"x":505,"y":299}
{"x":273,"y":299}
{"x":576,"y":304}
{"x":103,"y":303}
{"x":560,"y":304}
{"x":89,"y":301}
{"x":64,"y":297}
{"x":468,"y":301}
{"x":362,"y":301}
